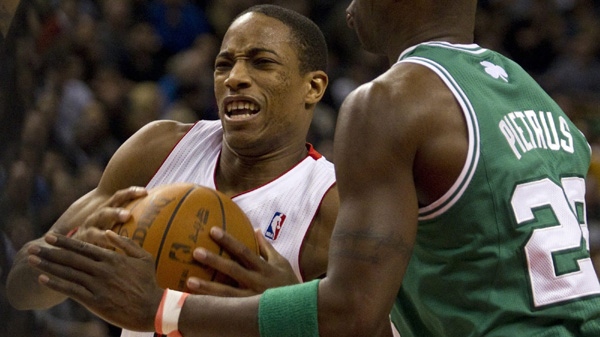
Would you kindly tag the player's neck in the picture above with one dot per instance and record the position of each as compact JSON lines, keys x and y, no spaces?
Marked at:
{"x":455,"y":37}
{"x":236,"y":174}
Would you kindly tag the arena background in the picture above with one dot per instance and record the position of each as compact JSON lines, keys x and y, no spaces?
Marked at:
{"x":80,"y":76}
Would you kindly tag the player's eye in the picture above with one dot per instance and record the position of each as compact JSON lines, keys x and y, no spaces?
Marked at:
{"x":263,"y":61}
{"x":222,"y":65}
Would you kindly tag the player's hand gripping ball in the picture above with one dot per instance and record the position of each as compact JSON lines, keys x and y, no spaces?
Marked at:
{"x":172,"y":220}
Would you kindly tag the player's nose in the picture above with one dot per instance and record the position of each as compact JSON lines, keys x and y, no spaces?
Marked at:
{"x":239,"y":77}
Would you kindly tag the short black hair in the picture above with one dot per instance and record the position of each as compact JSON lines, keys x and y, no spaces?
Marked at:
{"x":311,"y":44}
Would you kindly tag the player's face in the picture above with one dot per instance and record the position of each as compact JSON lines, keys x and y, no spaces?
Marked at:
{"x":258,"y":86}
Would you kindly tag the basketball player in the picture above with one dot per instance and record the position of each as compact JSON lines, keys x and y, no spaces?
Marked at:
{"x":269,"y":77}
{"x":462,"y":205}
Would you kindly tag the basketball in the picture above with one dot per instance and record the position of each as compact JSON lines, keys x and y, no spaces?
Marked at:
{"x":172,"y":220}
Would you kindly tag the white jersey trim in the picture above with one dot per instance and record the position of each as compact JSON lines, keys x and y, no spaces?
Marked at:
{"x":441,"y":205}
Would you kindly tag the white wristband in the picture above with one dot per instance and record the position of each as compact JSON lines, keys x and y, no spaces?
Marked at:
{"x":167,"y":316}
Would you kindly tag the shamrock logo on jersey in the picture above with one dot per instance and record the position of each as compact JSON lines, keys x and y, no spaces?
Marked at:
{"x":495,"y":71}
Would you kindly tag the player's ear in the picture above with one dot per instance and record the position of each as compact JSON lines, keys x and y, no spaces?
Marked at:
{"x":317,"y":84}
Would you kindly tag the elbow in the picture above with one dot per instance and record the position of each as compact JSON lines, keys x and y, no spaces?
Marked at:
{"x":16,"y":303}
{"x":15,"y":293}
{"x":14,"y":296}
{"x":24,"y":293}
{"x":22,"y":300}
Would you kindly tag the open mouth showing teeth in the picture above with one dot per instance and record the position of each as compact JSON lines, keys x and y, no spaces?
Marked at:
{"x":241,"y":109}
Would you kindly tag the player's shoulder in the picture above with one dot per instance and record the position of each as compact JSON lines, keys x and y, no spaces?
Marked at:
{"x":157,"y":138}
{"x":397,"y":88}
{"x":398,"y":102}
{"x":164,"y":129}
{"x":136,"y":161}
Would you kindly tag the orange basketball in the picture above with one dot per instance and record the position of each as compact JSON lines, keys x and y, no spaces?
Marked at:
{"x":172,"y":220}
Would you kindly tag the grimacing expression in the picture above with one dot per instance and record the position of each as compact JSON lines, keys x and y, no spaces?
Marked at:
{"x":258,"y":86}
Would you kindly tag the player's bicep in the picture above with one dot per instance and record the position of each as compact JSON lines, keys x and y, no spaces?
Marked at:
{"x":138,"y":159}
{"x":133,"y":164}
{"x":376,"y":224}
{"x":374,"y":152}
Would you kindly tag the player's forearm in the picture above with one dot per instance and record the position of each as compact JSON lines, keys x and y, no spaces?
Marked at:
{"x":206,"y":316}
{"x":287,"y":311}
{"x":23,"y":290}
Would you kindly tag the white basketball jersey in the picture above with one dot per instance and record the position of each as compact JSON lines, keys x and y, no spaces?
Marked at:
{"x":283,"y":209}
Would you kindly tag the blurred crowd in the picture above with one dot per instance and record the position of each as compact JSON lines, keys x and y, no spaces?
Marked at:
{"x":84,"y":75}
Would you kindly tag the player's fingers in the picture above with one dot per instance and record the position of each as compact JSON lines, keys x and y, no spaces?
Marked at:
{"x":107,"y":218}
{"x":73,"y":290}
{"x":202,"y":287}
{"x":267,"y":250}
{"x":269,"y":253}
{"x":94,"y":236}
{"x":130,"y":247}
{"x":73,"y":247}
{"x":236,"y":248}
{"x":125,"y":196}
{"x":80,"y":269}
{"x":226,"y":266}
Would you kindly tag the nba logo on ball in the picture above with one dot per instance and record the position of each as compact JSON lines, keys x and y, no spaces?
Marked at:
{"x":275,"y":226}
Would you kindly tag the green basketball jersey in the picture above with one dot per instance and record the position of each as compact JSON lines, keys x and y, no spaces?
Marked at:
{"x":505,"y":251}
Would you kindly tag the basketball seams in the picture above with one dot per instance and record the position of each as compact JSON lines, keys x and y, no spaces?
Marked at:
{"x":223,"y":226}
{"x":168,"y":226}
{"x":171,"y":216}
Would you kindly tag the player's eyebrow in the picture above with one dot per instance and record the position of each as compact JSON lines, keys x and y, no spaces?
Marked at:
{"x":250,"y":53}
